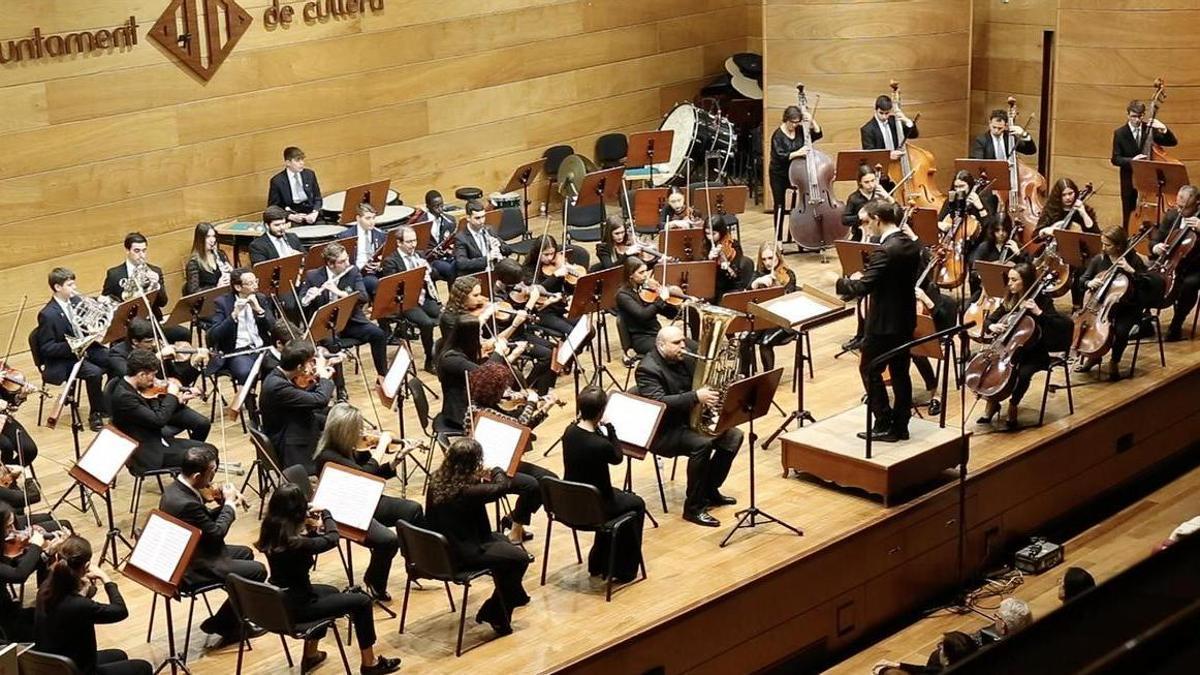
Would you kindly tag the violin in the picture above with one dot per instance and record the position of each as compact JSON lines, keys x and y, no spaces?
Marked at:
{"x":991,"y":373}
{"x":561,"y":268}
{"x":14,"y":387}
{"x":216,"y":495}
{"x":531,"y":408}
{"x":314,"y":523}
{"x":163,"y":386}
{"x":919,"y":165}
{"x":725,"y":252}
{"x":651,"y":291}
{"x":817,"y":220}
{"x":17,"y":541}
{"x":521,"y":293}
{"x":8,"y":477}
{"x":501,"y":309}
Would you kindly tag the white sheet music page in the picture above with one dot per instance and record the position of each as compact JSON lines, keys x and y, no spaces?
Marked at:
{"x":250,"y":380}
{"x":106,"y":455}
{"x":160,"y":549}
{"x":570,"y":347}
{"x":796,"y":308}
{"x":350,"y":497}
{"x":499,"y":442}
{"x":632,"y":418}
{"x":395,"y":374}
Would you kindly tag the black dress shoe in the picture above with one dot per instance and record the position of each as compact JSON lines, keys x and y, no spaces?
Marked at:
{"x":885,"y":436}
{"x":498,"y":624}
{"x":382,"y":665}
{"x":702,"y":518}
{"x":506,"y":524}
{"x":378,"y":595}
{"x":718,"y":499}
{"x":95,"y":422}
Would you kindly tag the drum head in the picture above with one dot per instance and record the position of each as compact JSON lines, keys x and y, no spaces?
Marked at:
{"x":683,"y":120}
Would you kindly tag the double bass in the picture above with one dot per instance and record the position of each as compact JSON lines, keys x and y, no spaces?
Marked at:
{"x":1093,"y":336}
{"x":816,"y":221}
{"x":1027,"y":195}
{"x":1148,"y":207}
{"x":919,"y":165}
{"x":991,"y":374}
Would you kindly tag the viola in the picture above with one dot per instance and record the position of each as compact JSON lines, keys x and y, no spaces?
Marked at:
{"x":817,"y":220}
{"x":215,"y":495}
{"x":16,"y":541}
{"x":919,"y":165}
{"x":991,"y":373}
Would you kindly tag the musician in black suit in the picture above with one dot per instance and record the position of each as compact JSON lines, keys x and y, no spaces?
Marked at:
{"x":665,"y":374}
{"x":55,"y":323}
{"x":292,"y":417}
{"x":476,"y":244}
{"x":1187,"y":274}
{"x":295,"y":189}
{"x":426,"y":314}
{"x":868,"y":189}
{"x":140,"y":335}
{"x":370,"y":239}
{"x":1129,"y":141}
{"x":120,"y":284}
{"x":337,"y":279}
{"x":889,"y":280}
{"x":995,"y":143}
{"x":214,"y":559}
{"x":149,"y":420}
{"x":276,"y":241}
{"x":242,"y":320}
{"x":442,"y":228}
{"x":888,"y":129}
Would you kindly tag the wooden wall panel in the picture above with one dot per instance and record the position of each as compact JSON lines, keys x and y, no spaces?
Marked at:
{"x":428,"y":93}
{"x":846,"y":52}
{"x":1101,"y":65}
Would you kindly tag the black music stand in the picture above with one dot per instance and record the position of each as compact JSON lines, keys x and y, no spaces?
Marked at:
{"x":723,"y":200}
{"x":127,"y":311}
{"x":69,"y":397}
{"x":314,"y":257}
{"x":1159,"y":179}
{"x":745,"y":401}
{"x":397,"y":293}
{"x":698,"y":278}
{"x":595,"y":295}
{"x":683,"y":244}
{"x":374,"y":194}
{"x":520,"y":180}
{"x":192,"y":308}
{"x":647,"y":146}
{"x":923,"y":222}
{"x":278,"y":277}
{"x":848,"y":162}
{"x":597,"y":187}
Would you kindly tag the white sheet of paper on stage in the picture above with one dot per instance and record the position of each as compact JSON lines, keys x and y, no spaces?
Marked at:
{"x":162,"y":549}
{"x":634,"y":418}
{"x":395,"y":374}
{"x":797,"y":308}
{"x":106,"y":454}
{"x":251,"y":379}
{"x":569,"y":348}
{"x":503,"y":441}
{"x":350,"y":496}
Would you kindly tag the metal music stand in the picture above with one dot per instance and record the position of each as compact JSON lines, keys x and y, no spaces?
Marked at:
{"x":314,"y":258}
{"x":521,"y":178}
{"x":1076,"y":248}
{"x":99,"y":487}
{"x":127,"y":311}
{"x":848,"y":162}
{"x":722,"y":201}
{"x":995,"y":170}
{"x":374,"y":194}
{"x":192,"y":308}
{"x":397,"y":293}
{"x":684,"y":245}
{"x":745,"y":401}
{"x":646,"y":148}
{"x":278,"y":277}
{"x":596,"y":295}
{"x":168,"y":589}
{"x":1158,"y":179}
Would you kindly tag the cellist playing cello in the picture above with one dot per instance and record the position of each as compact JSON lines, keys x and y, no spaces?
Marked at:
{"x":1185,"y":282}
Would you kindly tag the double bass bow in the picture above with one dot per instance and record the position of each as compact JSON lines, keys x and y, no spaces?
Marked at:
{"x":918,"y":168}
{"x":817,"y":220}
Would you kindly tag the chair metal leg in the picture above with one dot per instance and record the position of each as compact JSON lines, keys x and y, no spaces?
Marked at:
{"x":137,"y":487}
{"x":287,"y":652}
{"x":1045,"y":396}
{"x":612,"y":563}
{"x":404,"y":605}
{"x":241,"y":653}
{"x":462,"y":619}
{"x":449,"y":595}
{"x":578,"y":554}
{"x":1070,"y":398}
{"x":546,"y":548}
{"x":674,"y":466}
{"x":337,"y":637}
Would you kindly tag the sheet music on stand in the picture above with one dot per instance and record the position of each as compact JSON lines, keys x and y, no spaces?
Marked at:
{"x":394,"y":379}
{"x":162,"y":553}
{"x":245,"y":389}
{"x":351,"y":496}
{"x":106,"y":455}
{"x":502,"y":439}
{"x":569,"y":347}
{"x":804,"y":306}
{"x":635,"y":419}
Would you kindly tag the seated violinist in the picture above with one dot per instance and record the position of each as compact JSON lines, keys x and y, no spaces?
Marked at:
{"x":617,"y":242}
{"x":346,"y":442}
{"x":508,"y":281}
{"x":548,"y":284}
{"x":25,"y":552}
{"x":429,"y":306}
{"x":1143,"y":291}
{"x":57,"y":327}
{"x":1053,"y":334}
{"x":1174,"y":224}
{"x":639,"y":304}
{"x":292,"y":401}
{"x":146,"y":408}
{"x":734,"y":270}
{"x":241,"y":323}
{"x":677,"y":214}
{"x":176,"y":364}
{"x":17,"y":447}
{"x":370,"y":240}
{"x":770,"y":272}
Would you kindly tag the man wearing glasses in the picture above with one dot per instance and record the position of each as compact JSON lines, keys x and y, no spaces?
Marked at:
{"x":429,"y":307}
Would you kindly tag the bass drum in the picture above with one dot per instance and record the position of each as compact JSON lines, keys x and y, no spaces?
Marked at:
{"x":698,"y":135}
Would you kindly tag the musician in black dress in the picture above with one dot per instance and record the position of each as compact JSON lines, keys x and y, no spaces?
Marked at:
{"x":589,"y":448}
{"x":735,"y":271}
{"x":787,"y":143}
{"x":545,"y":269}
{"x":997,"y":245}
{"x":982,"y":205}
{"x":291,"y":548}
{"x":1143,"y":291}
{"x":1187,"y":274}
{"x":889,"y":280}
{"x":16,"y":622}
{"x":868,"y":189}
{"x":456,"y":506}
{"x":207,"y":266}
{"x":637,"y":317}
{"x":1054,"y":332}
{"x":771,"y":271}
{"x":677,"y":214}
{"x":617,"y":243}
{"x":66,"y":616}
{"x":1061,"y":200}
{"x":996,"y":142}
{"x":1129,"y":143}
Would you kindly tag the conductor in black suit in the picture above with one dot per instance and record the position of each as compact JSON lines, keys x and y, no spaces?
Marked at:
{"x":996,"y":142}
{"x":119,"y":284}
{"x":888,"y":128}
{"x":665,"y":374}
{"x":337,"y":279}
{"x":1129,"y":141}
{"x":242,"y":321}
{"x":475,"y":245}
{"x":295,"y":189}
{"x":54,"y":325}
{"x":214,"y":559}
{"x":889,"y":280}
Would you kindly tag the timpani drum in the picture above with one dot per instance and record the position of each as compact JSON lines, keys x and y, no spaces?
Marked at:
{"x":333,"y":204}
{"x":393,"y":216}
{"x":699,"y":135}
{"x":310,"y":235}
{"x":503,"y":200}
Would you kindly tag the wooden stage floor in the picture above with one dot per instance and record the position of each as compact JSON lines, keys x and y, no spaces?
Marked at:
{"x":568,"y":620}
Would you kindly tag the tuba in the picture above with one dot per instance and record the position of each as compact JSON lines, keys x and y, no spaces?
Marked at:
{"x":717,"y":365}
{"x":90,"y":318}
{"x":141,"y":281}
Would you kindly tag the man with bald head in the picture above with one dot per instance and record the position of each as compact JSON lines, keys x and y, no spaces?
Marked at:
{"x":665,"y":374}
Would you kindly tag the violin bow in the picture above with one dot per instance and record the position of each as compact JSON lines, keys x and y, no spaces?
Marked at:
{"x":12,"y":336}
{"x":155,"y":329}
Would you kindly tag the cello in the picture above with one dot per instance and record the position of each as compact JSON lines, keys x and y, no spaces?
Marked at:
{"x":1027,"y":194}
{"x":816,"y":221}
{"x":1048,"y":261}
{"x":991,"y":374}
{"x":1093,"y":335}
{"x":1148,"y":206}
{"x":954,"y":271}
{"x":1180,"y":242}
{"x":919,"y":166}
